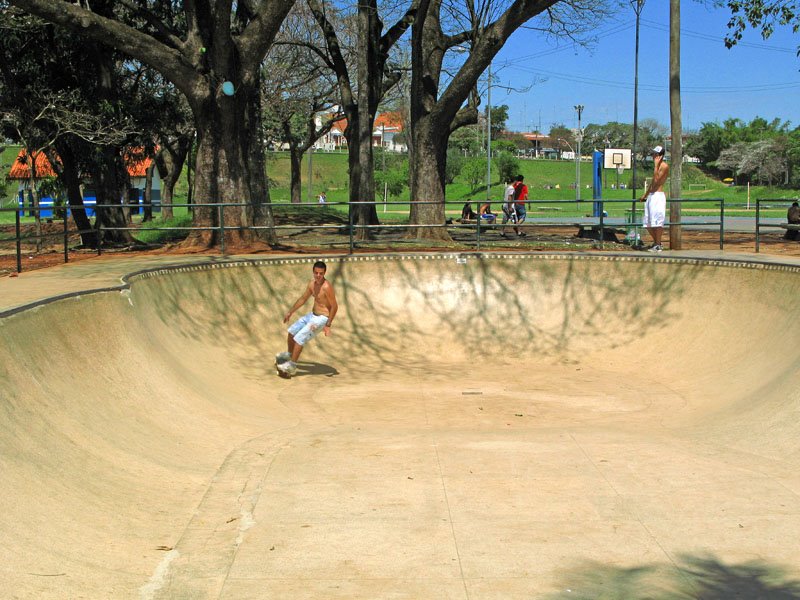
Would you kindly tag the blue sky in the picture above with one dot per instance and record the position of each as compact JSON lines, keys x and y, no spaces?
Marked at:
{"x":755,"y":78}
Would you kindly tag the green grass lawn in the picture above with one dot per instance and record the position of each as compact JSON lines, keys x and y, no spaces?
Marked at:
{"x":548,"y":182}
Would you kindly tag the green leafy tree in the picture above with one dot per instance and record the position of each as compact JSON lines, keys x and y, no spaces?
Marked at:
{"x":474,"y":171}
{"x":469,"y":139}
{"x":507,"y":165}
{"x":394,"y":180}
{"x":763,"y":15}
{"x":563,"y":138}
{"x":455,"y":164}
{"x":499,"y":119}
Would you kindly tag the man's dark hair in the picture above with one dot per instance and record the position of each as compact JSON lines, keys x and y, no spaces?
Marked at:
{"x":520,"y":178}
{"x":320,"y":265}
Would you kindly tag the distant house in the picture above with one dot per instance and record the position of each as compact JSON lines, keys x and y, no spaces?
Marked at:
{"x":538,"y":144}
{"x":386,"y":132}
{"x":137,"y":171}
{"x":334,"y":139}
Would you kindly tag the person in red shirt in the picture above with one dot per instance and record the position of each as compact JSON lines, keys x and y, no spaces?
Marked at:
{"x":520,"y":199}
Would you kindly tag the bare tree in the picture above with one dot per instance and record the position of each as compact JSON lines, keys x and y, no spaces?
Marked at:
{"x":364,"y":75}
{"x":438,"y":104}
{"x":300,"y":91}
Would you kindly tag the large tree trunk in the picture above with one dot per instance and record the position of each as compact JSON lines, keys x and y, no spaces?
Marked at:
{"x":361,"y":212}
{"x":428,"y":181}
{"x":111,"y":186}
{"x":295,"y":179}
{"x":230,"y":170}
{"x":429,"y":127}
{"x":69,"y":175}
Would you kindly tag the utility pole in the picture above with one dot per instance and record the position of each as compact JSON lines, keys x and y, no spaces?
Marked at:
{"x":637,"y":5}
{"x":676,"y":124}
{"x":579,"y":138}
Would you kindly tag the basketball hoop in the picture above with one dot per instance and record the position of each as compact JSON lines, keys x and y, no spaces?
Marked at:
{"x":620,"y":169}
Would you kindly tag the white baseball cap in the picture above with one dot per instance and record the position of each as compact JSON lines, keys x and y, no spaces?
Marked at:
{"x":657,"y":150}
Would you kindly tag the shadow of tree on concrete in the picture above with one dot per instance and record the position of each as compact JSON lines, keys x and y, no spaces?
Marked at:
{"x":691,"y":577}
{"x":403,"y":310}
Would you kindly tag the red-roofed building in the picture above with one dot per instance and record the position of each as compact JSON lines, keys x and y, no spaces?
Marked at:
{"x":137,"y":171}
{"x":334,"y":139}
{"x":387,"y":126}
{"x":540,"y":145}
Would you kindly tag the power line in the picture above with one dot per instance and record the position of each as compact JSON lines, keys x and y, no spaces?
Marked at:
{"x":714,"y":38}
{"x":765,"y":87}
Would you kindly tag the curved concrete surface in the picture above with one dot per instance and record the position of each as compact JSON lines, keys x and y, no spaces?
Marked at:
{"x":477,"y":427}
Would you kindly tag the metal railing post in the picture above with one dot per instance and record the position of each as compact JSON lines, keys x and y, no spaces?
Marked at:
{"x":602,"y":229}
{"x":722,"y":224}
{"x":350,"y":225}
{"x":478,"y":230}
{"x":758,"y":223}
{"x":221,"y":219}
{"x":18,"y":231}
{"x":66,"y":244}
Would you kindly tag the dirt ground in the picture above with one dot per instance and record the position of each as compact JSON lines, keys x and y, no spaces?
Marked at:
{"x":334,"y":241}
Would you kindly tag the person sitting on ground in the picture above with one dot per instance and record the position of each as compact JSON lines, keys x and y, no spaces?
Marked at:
{"x":467,"y":214}
{"x":486,"y":213}
{"x":793,"y":218}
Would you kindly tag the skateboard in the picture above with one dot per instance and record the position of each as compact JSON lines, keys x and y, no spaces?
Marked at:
{"x":281,"y":358}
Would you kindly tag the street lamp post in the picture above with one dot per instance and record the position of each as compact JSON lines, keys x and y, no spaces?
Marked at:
{"x":579,"y":138}
{"x":489,"y":135}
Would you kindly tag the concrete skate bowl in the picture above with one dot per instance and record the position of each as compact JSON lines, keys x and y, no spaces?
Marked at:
{"x":497,"y":426}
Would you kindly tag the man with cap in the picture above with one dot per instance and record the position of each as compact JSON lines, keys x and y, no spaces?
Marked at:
{"x":655,"y":200}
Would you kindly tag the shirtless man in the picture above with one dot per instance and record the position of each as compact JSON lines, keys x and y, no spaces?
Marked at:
{"x":307,"y":326}
{"x":655,"y":200}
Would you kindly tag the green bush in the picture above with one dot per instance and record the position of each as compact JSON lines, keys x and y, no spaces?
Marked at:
{"x":507,"y":165}
{"x":474,"y":171}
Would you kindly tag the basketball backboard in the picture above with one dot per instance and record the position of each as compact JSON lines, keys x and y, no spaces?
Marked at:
{"x":614,"y":158}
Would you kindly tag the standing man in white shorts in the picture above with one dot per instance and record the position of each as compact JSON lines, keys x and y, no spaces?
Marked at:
{"x":655,"y":200}
{"x":306,"y":327}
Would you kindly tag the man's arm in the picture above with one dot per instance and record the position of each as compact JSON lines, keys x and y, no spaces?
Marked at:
{"x":333,"y":307}
{"x":659,"y":179}
{"x":302,"y":300}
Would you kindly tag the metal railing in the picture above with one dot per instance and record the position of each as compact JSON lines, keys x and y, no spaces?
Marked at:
{"x":769,"y":203}
{"x":542,"y":214}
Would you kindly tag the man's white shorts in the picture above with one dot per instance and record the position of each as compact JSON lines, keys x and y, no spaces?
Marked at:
{"x":307,"y":327}
{"x":655,"y":209}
